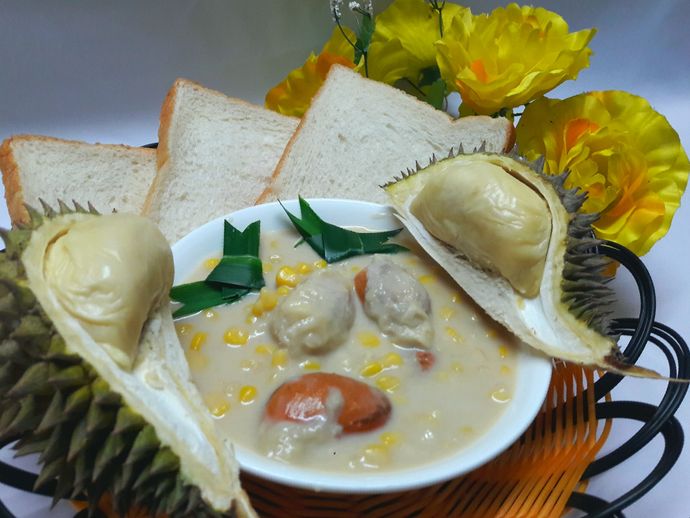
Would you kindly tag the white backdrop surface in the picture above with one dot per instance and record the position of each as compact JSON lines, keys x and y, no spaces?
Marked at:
{"x":98,"y":71}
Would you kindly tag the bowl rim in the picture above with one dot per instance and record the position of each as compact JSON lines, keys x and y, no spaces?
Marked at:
{"x":533,"y":372}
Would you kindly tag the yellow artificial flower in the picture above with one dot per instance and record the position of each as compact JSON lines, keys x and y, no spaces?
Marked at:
{"x":510,"y":57}
{"x":616,"y":147}
{"x":293,"y":95}
{"x":404,"y":36}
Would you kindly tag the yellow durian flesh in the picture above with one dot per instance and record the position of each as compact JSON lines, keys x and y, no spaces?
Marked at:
{"x":492,"y":218}
{"x":543,"y":321}
{"x":109,"y":273}
{"x":158,"y":383}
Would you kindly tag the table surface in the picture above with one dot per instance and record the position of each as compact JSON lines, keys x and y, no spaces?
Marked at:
{"x":98,"y":72}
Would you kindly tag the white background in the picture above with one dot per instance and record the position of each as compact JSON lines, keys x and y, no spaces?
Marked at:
{"x":98,"y":71}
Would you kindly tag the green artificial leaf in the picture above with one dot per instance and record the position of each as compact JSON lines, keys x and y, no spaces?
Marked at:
{"x":436,"y":93}
{"x":365,"y":31}
{"x":335,"y":243}
{"x":429,"y":75}
{"x":237,"y":273}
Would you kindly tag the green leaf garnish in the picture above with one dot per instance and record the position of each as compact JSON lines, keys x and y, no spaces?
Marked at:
{"x":335,"y":243}
{"x":238,"y":272}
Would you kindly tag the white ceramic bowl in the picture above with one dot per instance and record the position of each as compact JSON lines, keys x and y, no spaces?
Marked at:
{"x":532,"y":377}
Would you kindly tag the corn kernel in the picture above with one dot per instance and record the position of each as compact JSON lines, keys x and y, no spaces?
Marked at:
{"x":283,"y":290}
{"x":446,"y":313}
{"x":505,"y":369}
{"x":279,"y":358}
{"x":388,"y":383}
{"x":217,"y":404}
{"x":266,"y":267}
{"x":210,"y":264}
{"x":500,"y":395}
{"x":251,"y":319}
{"x":198,"y":340}
{"x":286,"y":276}
{"x":375,"y":455}
{"x":454,"y":335}
{"x":247,"y":394}
{"x":392,"y":360}
{"x":304,"y":268}
{"x":426,"y":279}
{"x":503,"y":351}
{"x":371,"y":369}
{"x":264,"y":349}
{"x":183,"y":329}
{"x":310,"y":365}
{"x":355,"y":269}
{"x":220,"y":410}
{"x":320,"y":264}
{"x":456,"y":298}
{"x":268,"y":299}
{"x":390,"y":438}
{"x":210,"y":314}
{"x":247,"y":365}
{"x":258,"y":308}
{"x":236,"y":336}
{"x":457,"y":367}
{"x":368,"y":339}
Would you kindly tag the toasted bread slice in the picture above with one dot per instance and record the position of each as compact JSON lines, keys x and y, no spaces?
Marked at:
{"x":358,"y":134}
{"x":216,"y":154}
{"x":107,"y":176}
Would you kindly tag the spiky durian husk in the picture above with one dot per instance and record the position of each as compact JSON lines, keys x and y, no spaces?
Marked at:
{"x":55,"y":404}
{"x":584,"y":284}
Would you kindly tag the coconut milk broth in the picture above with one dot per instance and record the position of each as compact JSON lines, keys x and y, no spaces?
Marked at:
{"x":435,"y":412}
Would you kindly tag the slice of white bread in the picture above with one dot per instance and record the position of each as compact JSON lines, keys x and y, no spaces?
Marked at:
{"x":358,"y":134}
{"x":107,"y":176}
{"x":216,"y":154}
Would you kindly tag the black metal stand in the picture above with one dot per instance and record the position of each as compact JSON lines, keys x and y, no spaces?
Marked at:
{"x":657,"y":419}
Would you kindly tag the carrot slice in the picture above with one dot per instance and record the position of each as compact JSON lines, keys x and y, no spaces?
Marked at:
{"x":361,"y":284}
{"x":364,"y":408}
{"x":426,"y":359}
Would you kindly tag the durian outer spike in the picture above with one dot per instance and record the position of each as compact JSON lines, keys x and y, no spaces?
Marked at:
{"x":562,"y":320}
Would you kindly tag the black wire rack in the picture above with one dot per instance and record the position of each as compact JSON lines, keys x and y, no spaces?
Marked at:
{"x":657,"y":419}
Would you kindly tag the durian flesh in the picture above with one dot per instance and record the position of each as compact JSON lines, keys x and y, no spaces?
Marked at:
{"x":93,"y":376}
{"x":527,"y":258}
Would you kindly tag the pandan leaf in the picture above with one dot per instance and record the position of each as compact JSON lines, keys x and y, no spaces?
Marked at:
{"x":238,"y":272}
{"x":335,"y":243}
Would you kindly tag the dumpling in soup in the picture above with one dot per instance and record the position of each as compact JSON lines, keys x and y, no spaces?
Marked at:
{"x":397,"y":302}
{"x":316,"y":317}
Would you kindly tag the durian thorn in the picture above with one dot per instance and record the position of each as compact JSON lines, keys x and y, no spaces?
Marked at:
{"x":93,"y":210}
{"x":48,"y":473}
{"x":63,"y":208}
{"x":47,"y":209}
{"x":78,"y":207}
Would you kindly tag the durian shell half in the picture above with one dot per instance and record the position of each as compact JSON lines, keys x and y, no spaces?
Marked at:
{"x":152,"y":412}
{"x":544,"y":322}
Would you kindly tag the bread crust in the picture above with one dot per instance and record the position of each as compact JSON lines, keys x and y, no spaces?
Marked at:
{"x":11,"y":178}
{"x":269,"y":190}
{"x":162,"y":151}
{"x":166,"y":121}
{"x":14,"y":195}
